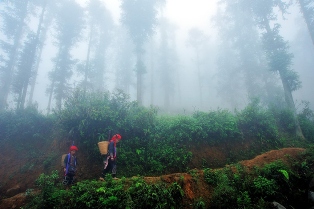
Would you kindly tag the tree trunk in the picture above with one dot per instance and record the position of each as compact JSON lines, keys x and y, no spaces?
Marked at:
{"x":50,"y":97}
{"x":40,"y":47}
{"x":86,"y":71}
{"x":307,"y":19}
{"x":287,"y":91}
{"x":139,"y":75}
{"x":199,"y":76}
{"x":152,"y":88}
{"x":7,"y":81}
{"x":291,"y":105}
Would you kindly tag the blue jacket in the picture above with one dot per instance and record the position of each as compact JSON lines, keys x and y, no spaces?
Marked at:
{"x":70,"y":164}
{"x":112,"y":151}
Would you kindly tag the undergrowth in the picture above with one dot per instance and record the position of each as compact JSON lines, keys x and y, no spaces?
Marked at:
{"x":287,"y":183}
{"x":122,"y":193}
{"x":162,"y":144}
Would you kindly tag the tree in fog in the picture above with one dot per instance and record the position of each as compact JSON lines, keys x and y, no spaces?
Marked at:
{"x":307,"y":9}
{"x":99,"y":23}
{"x":241,"y":72}
{"x":29,"y":58}
{"x":167,"y":62}
{"x":124,"y":59}
{"x":14,"y":14}
{"x":24,"y":70}
{"x":139,"y":16}
{"x":197,"y":40}
{"x":277,"y":51}
{"x":68,"y":27}
{"x":46,"y":11}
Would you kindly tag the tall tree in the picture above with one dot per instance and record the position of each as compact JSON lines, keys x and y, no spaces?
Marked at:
{"x":13,"y":17}
{"x":197,"y":40}
{"x":45,"y":17}
{"x":124,"y":59}
{"x":24,"y":70}
{"x":29,"y":56}
{"x":99,"y":26}
{"x":241,"y":74}
{"x":139,"y":16}
{"x":307,"y":9}
{"x":68,"y":28}
{"x":167,"y":61}
{"x":277,"y":50}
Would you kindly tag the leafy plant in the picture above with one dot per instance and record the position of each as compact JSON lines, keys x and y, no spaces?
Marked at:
{"x":211,"y":176}
{"x":217,"y":125}
{"x":199,"y":204}
{"x":257,"y":122}
{"x":49,"y":194}
{"x":265,"y":187}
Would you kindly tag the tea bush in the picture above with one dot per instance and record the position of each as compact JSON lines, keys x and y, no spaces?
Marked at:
{"x":306,"y":120}
{"x":132,"y":193}
{"x":25,"y":125}
{"x":235,"y":187}
{"x":259,"y":123}
{"x":217,"y":126}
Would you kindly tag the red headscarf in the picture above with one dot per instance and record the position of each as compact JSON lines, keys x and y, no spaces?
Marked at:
{"x":115,"y":138}
{"x":73,"y":148}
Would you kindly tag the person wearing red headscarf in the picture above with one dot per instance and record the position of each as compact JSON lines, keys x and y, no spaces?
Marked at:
{"x":110,"y":160}
{"x":70,"y":163}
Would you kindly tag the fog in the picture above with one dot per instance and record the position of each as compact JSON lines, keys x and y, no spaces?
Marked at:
{"x":189,"y":61}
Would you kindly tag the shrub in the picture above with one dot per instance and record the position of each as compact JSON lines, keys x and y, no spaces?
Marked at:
{"x":256,"y":122}
{"x":306,"y":120}
{"x":217,"y":125}
{"x":25,"y":124}
{"x":134,"y":193}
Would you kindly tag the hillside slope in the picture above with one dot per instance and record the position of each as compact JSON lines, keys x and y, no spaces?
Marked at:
{"x":193,"y":189}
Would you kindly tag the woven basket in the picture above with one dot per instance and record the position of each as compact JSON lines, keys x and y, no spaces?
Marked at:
{"x":103,"y":147}
{"x":62,"y":159}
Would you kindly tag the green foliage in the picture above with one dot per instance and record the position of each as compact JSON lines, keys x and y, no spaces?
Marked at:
{"x":25,"y":124}
{"x":199,"y":204}
{"x":306,"y":120}
{"x":134,"y":193}
{"x":179,"y":128}
{"x":155,"y":145}
{"x":89,"y":115}
{"x":211,"y":127}
{"x":217,"y":125}
{"x":132,"y":12}
{"x":144,"y":195}
{"x":237,"y":187}
{"x":225,"y":194}
{"x":285,"y":119}
{"x":93,"y":194}
{"x":211,"y":176}
{"x":92,"y":115}
{"x":49,"y":194}
{"x":273,"y":168}
{"x":258,"y":123}
{"x":153,"y":157}
{"x":265,"y":187}
{"x":244,"y":200}
{"x":285,"y":173}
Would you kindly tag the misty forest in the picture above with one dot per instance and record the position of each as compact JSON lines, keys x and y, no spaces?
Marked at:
{"x":188,"y":100}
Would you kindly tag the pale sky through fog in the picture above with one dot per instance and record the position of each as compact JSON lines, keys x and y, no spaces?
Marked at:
{"x":185,"y":13}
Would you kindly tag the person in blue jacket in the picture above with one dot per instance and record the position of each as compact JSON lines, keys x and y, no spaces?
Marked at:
{"x":110,"y":160}
{"x":70,"y":166}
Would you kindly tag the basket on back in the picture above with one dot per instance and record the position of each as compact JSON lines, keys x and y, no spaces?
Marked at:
{"x":62,"y":160}
{"x":103,"y":147}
